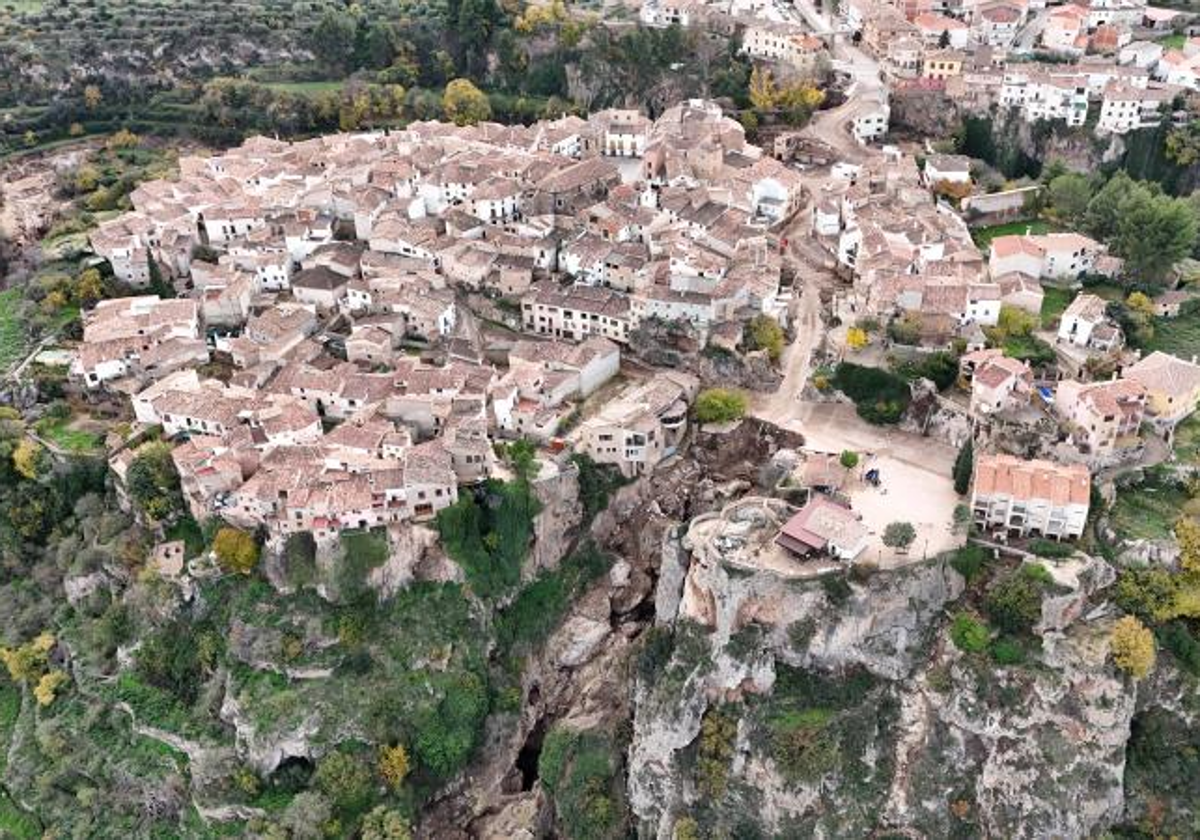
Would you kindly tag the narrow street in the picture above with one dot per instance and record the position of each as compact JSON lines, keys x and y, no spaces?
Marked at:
{"x":780,"y":406}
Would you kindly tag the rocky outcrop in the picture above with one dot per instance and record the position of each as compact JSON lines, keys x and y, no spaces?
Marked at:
{"x":557,"y":488}
{"x":1015,"y":752}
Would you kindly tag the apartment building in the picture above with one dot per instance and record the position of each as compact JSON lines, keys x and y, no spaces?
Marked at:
{"x":1101,"y":415}
{"x":642,"y":426}
{"x":1172,"y":387}
{"x":1019,"y":498}
{"x":576,"y":312}
{"x":782,"y":42}
{"x":1126,"y":108}
{"x":1057,"y":256}
{"x":1045,"y":96}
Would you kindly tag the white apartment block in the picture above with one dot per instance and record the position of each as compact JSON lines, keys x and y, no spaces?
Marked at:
{"x":1126,"y":108}
{"x":1044,"y":97}
{"x":782,"y":42}
{"x":1030,"y":498}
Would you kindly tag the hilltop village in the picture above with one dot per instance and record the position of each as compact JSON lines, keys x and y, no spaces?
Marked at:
{"x":429,"y":421}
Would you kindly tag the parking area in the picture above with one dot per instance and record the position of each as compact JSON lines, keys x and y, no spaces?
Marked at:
{"x":915,"y":483}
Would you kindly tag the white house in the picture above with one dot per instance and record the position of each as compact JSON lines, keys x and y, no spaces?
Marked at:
{"x":1084,"y":314}
{"x":1126,"y":108}
{"x":955,"y":169}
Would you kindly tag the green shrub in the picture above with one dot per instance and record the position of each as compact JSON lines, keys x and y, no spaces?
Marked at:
{"x":837,"y":588}
{"x":968,"y":635}
{"x":597,"y":483}
{"x":941,"y":368}
{"x":579,"y":770}
{"x":1149,"y":593}
{"x":658,"y":645}
{"x":448,"y":733}
{"x":802,"y":744}
{"x":879,"y":396}
{"x":1051,"y":549}
{"x":1014,"y":603}
{"x":490,"y":537}
{"x":718,"y":731}
{"x":1178,"y":638}
{"x":968,"y":561}
{"x":720,"y":405}
{"x":1008,"y":651}
{"x":541,"y":605}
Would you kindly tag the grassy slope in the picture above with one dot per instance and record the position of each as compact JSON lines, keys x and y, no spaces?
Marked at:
{"x":12,"y":332}
{"x":1179,"y":336}
{"x":984,"y":236}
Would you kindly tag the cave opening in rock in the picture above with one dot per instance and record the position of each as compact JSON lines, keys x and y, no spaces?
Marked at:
{"x":292,"y":774}
{"x":531,"y":751}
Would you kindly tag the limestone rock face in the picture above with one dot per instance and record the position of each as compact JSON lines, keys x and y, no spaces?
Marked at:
{"x":1040,"y":753}
{"x":523,"y":817}
{"x":558,"y":491}
{"x":583,"y":632}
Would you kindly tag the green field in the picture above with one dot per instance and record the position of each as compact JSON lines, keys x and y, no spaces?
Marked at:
{"x":67,"y":435}
{"x":983,"y":236}
{"x":13,"y":822}
{"x":305,"y":88}
{"x":12,"y":331}
{"x":1148,"y":510}
{"x":1054,"y":303}
{"x":1178,"y":336}
{"x":1174,"y":41}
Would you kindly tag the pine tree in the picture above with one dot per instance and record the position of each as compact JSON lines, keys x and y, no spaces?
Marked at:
{"x":964,"y":467}
{"x":158,"y":284}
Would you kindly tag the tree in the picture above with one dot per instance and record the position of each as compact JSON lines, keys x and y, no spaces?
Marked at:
{"x":964,"y":467}
{"x":393,"y":764}
{"x":522,"y":454}
{"x":766,"y":334}
{"x":1153,"y":234}
{"x":158,"y":284}
{"x":1069,"y":195}
{"x":28,"y":662}
{"x":1183,"y":144}
{"x":333,"y":39}
{"x":89,"y":287}
{"x":1187,"y":533}
{"x":1012,"y":322}
{"x":153,"y":482}
{"x":1132,"y":646}
{"x":1014,"y":603}
{"x":762,"y":89}
{"x":899,"y":535}
{"x":1104,"y":210}
{"x":122,"y":139}
{"x":27,"y":458}
{"x":720,"y":405}
{"x":382,"y":823}
{"x":47,"y":688}
{"x":944,"y":39}
{"x":236,"y":551}
{"x":857,"y":338}
{"x":345,"y":778}
{"x":464,"y":103}
{"x":848,"y":459}
{"x":92,"y":97}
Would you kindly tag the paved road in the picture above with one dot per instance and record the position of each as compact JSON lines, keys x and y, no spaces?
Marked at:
{"x":780,"y":407}
{"x":807,"y":12}
{"x":832,"y":127}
